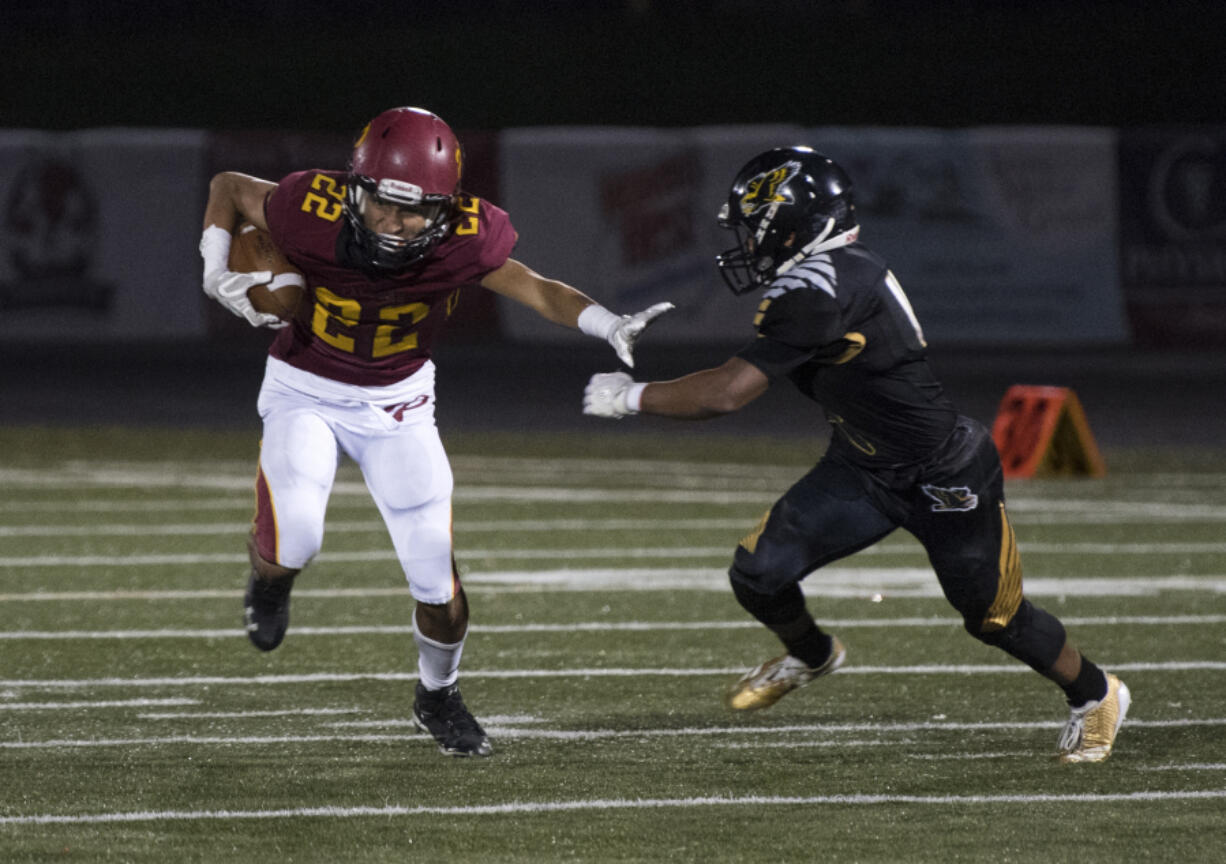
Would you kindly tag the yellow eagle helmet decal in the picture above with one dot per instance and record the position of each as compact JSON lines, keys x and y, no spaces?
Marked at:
{"x":362,"y":136}
{"x":762,"y":190}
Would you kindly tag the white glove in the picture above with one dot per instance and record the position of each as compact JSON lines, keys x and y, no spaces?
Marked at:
{"x":228,"y":287}
{"x":621,"y":331}
{"x":230,"y":290}
{"x":628,"y":330}
{"x":611,"y":394}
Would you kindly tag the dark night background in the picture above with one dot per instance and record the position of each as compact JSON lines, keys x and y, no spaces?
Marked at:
{"x":488,"y":64}
{"x":309,"y":65}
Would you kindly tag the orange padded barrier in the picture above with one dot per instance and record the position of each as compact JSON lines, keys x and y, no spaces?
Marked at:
{"x":1043,"y":430}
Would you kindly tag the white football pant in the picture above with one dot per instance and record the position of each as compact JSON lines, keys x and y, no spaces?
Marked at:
{"x":309,"y":421}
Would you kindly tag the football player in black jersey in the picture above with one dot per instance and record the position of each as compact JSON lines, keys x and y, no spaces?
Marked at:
{"x":835,"y":322}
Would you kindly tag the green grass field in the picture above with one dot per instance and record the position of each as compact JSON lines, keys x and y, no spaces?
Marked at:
{"x":138,"y":724}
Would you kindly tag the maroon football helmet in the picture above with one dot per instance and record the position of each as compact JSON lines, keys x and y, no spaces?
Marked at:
{"x":405,"y":156}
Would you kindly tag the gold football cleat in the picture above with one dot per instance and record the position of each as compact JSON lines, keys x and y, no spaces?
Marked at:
{"x":767,"y":684}
{"x":1090,"y":732}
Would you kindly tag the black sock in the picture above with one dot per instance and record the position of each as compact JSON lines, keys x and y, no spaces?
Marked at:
{"x":812,"y":647}
{"x":1090,"y":685}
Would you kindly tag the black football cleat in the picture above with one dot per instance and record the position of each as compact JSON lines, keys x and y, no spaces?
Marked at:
{"x":443,"y":715}
{"x":266,"y":610}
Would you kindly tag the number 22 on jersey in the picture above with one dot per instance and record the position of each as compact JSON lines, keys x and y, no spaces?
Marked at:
{"x":336,"y":320}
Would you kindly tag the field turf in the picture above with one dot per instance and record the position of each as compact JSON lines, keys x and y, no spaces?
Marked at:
{"x":137,"y":723}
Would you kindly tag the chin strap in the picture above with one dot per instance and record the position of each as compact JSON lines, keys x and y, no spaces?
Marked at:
{"x":821,"y":243}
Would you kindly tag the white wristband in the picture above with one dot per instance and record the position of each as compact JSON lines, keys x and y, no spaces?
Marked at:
{"x":598,"y":321}
{"x":215,"y":248}
{"x":634,"y":396}
{"x":282,"y":279}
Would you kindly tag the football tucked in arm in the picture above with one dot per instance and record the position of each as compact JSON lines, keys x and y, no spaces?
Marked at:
{"x":252,"y":249}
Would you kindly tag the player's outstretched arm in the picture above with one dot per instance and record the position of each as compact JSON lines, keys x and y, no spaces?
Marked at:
{"x":563,"y":304}
{"x":697,"y":396}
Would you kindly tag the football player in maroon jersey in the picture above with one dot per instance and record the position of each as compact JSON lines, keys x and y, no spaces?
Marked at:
{"x":834,"y":321}
{"x":385,"y":248}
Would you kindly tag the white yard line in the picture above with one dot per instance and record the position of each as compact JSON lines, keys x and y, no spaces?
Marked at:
{"x":528,"y":808}
{"x":530,"y":467}
{"x":552,"y":554}
{"x":677,"y":482}
{"x":585,"y":672}
{"x":124,"y":594}
{"x":615,"y":553}
{"x":585,"y":627}
{"x":91,"y":705}
{"x":176,"y":559}
{"x":1022,"y":513}
{"x":579,"y":735}
{"x":243,"y":503}
{"x":479,"y":465}
{"x":373,"y":526}
{"x":735,"y":493}
{"x":875,"y":583}
{"x":1175,"y":548}
{"x":244,"y":715}
{"x":821,"y":743}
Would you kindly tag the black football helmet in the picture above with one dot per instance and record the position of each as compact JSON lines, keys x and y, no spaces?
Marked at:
{"x":784,"y":205}
{"x":404,"y":156}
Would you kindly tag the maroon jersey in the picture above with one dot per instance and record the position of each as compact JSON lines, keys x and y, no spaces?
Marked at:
{"x":360,"y":325}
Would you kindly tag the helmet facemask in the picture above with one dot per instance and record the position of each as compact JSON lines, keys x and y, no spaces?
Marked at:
{"x":751,"y":263}
{"x":390,"y":251}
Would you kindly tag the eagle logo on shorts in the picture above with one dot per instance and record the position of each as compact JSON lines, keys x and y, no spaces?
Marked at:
{"x":762,"y":191}
{"x":952,"y":500}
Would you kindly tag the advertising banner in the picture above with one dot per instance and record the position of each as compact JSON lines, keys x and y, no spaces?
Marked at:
{"x":98,"y":235}
{"x":628,"y":217}
{"x":99,"y":229}
{"x":1173,"y":235}
{"x":998,"y":235}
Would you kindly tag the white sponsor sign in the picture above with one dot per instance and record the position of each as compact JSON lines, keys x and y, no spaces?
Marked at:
{"x":998,"y":235}
{"x":628,"y":217}
{"x":98,"y":234}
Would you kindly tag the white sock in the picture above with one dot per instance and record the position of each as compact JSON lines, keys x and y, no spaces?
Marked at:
{"x":438,"y":663}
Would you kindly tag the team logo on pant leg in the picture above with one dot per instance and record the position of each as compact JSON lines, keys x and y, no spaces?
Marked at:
{"x":398,"y":410}
{"x":951,"y":500}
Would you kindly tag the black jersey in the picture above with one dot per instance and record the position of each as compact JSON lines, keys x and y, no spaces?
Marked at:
{"x":839,"y":326}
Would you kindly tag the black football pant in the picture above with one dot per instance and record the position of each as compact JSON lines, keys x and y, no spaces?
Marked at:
{"x":954,"y":504}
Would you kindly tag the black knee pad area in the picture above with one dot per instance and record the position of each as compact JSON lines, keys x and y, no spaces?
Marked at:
{"x":771,"y":609}
{"x":1034,"y":636}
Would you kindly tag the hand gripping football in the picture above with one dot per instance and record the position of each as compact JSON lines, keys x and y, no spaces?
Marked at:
{"x":251,"y":250}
